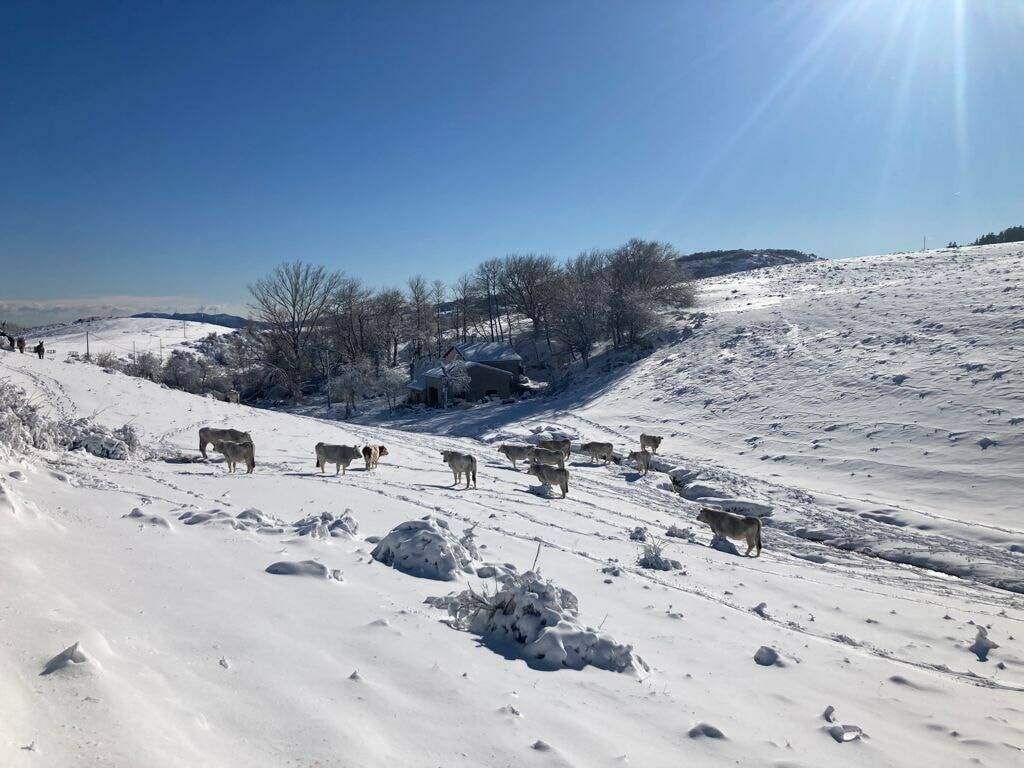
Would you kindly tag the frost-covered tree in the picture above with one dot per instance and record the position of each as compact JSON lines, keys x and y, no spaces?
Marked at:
{"x":579,"y":311}
{"x":392,"y":384}
{"x":457,"y":379}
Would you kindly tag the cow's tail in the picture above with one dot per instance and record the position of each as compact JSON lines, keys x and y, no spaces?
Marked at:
{"x":474,"y":471}
{"x":758,"y":536}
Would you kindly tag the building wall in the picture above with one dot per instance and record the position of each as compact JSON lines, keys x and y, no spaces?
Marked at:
{"x":482,"y":381}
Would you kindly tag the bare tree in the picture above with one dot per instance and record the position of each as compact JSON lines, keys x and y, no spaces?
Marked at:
{"x":466,"y":297}
{"x":526,"y":281}
{"x":292,"y":302}
{"x":438,"y":294}
{"x":418,"y":331}
{"x":642,"y":276}
{"x":579,"y":310}
{"x":389,"y":309}
{"x":488,"y":278}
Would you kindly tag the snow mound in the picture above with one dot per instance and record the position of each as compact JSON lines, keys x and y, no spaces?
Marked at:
{"x":428,"y":549}
{"x":747,"y":507}
{"x":327,"y":525}
{"x":309,"y":568}
{"x":541,"y":620}
{"x":157,"y":520}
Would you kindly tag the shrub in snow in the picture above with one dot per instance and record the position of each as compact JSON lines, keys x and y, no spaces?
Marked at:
{"x":22,"y":423}
{"x":542,"y":620}
{"x":428,"y":549}
{"x":676,"y":532}
{"x":24,"y":426}
{"x":638,"y":534}
{"x":652,"y":556}
{"x":98,"y":440}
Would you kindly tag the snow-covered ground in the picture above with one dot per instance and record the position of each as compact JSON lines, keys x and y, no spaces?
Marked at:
{"x":878,"y":403}
{"x":198,"y":656}
{"x":121,"y":335}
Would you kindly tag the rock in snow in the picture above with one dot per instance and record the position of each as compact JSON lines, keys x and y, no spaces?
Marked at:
{"x":767,"y":657}
{"x":981,"y":645}
{"x":69,"y":656}
{"x":705,"y":730}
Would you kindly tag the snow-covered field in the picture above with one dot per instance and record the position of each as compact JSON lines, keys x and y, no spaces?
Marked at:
{"x":198,"y":656}
{"x":121,"y":335}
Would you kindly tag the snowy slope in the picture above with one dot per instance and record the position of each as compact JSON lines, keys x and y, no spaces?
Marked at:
{"x":878,"y":403}
{"x":200,"y":657}
{"x":122,"y":335}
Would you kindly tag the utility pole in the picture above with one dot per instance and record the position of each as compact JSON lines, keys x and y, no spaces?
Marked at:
{"x":924,"y":243}
{"x":86,"y":343}
{"x":133,"y":352}
{"x":184,"y":333}
{"x":161,"y":340}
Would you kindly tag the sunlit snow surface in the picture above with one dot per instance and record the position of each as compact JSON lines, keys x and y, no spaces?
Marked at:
{"x":194,"y":655}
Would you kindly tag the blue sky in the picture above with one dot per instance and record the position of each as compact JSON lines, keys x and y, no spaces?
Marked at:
{"x":177,"y":151}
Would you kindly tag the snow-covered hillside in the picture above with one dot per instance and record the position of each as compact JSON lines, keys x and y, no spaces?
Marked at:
{"x":198,"y":656}
{"x":121,"y":335}
{"x":877,"y":402}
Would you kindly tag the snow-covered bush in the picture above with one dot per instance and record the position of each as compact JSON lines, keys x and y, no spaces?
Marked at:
{"x":22,"y":423}
{"x":652,"y":555}
{"x":99,"y":440}
{"x":24,"y":426}
{"x":110,"y":361}
{"x":428,"y":549}
{"x":144,"y":365}
{"x":543,"y":620}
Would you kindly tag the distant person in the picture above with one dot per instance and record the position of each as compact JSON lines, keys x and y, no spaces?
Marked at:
{"x":39,"y":350}
{"x":21,"y":344}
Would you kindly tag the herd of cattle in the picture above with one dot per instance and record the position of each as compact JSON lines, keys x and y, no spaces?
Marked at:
{"x":546,"y":462}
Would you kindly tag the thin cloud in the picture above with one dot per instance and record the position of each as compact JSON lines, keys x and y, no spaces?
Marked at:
{"x":42,"y":312}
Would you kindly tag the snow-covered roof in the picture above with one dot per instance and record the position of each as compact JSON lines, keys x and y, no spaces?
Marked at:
{"x":437,"y":372}
{"x":486,"y":352}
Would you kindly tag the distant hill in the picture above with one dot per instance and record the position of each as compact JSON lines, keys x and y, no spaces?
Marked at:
{"x":715,"y":263}
{"x":228,"y":321}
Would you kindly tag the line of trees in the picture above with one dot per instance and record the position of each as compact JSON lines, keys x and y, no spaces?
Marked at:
{"x":318,"y":327}
{"x":1008,"y":235}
